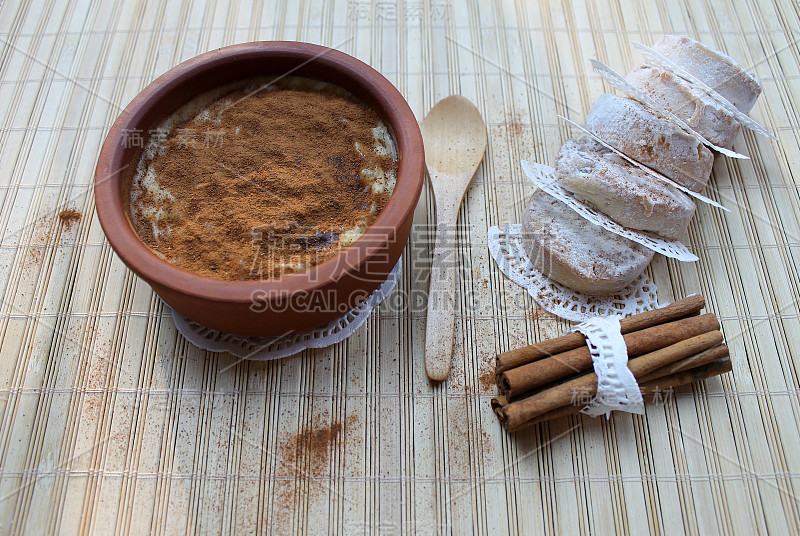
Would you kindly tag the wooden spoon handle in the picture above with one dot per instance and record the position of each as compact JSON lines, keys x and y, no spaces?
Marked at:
{"x":441,"y":295}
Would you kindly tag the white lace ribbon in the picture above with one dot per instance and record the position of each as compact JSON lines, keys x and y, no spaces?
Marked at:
{"x":617,"y":388}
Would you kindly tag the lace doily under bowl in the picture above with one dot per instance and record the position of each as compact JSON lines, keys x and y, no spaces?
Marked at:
{"x":339,"y":283}
{"x":267,"y":348}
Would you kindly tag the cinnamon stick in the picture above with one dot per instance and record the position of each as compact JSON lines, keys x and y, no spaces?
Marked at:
{"x":525,"y":378}
{"x":667,"y":380}
{"x":703,"y":358}
{"x":498,"y":402}
{"x":682,"y":378}
{"x":717,"y":353}
{"x":518,"y":413}
{"x":703,"y":372}
{"x":527,"y":354}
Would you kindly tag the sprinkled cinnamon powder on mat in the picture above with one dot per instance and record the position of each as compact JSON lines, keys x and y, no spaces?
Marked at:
{"x":69,"y":217}
{"x":487,"y":380}
{"x":312,"y":446}
{"x":266,"y":183}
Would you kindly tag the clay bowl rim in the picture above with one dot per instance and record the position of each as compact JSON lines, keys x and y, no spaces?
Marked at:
{"x":109,"y":175}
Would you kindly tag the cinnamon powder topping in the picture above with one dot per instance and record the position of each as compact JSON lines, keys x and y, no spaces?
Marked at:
{"x":264,"y":181}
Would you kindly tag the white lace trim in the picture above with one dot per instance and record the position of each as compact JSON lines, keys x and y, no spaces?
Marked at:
{"x":617,"y":388}
{"x":267,"y":348}
{"x":505,"y":246}
{"x":544,"y":177}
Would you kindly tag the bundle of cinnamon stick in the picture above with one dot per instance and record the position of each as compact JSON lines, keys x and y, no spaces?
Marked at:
{"x":667,"y":347}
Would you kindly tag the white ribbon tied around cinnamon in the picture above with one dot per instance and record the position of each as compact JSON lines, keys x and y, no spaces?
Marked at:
{"x":617,"y":389}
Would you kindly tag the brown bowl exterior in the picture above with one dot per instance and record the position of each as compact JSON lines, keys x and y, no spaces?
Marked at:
{"x":295,"y":302}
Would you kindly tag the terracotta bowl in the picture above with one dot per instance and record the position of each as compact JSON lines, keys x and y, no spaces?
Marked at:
{"x":293,"y":302}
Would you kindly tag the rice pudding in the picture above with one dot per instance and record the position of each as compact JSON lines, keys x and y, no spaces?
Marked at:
{"x":262,"y":178}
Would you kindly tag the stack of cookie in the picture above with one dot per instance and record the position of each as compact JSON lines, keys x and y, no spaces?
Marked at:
{"x":592,"y":260}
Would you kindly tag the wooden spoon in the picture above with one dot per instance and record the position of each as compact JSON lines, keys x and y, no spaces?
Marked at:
{"x":454,"y":135}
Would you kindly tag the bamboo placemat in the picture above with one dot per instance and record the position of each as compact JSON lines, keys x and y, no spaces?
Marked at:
{"x":111,"y":422}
